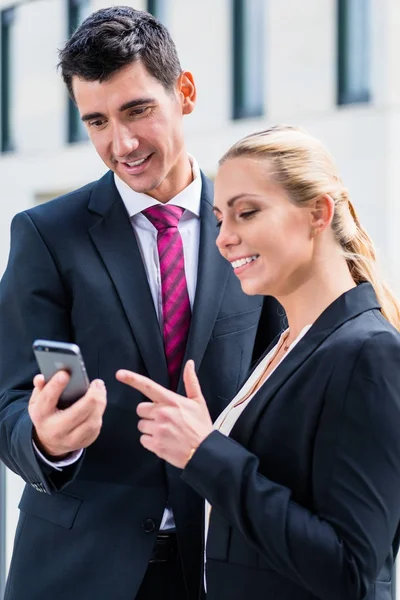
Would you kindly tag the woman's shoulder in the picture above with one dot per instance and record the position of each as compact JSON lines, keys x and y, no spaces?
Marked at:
{"x":369,"y":328}
{"x":366,"y":347}
{"x":366,"y":341}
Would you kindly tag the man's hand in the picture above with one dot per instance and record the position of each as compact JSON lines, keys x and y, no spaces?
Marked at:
{"x":173,"y":426}
{"x":59,"y":432}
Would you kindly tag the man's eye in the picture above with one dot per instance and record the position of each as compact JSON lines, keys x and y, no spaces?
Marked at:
{"x":138,"y":112}
{"x":97,"y":123}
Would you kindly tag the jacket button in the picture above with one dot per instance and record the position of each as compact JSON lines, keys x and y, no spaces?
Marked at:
{"x":149,"y":525}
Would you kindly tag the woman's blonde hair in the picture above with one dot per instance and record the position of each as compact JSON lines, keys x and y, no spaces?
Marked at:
{"x":306,"y":170}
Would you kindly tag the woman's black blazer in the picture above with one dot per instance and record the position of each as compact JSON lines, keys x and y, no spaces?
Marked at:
{"x":306,"y":490}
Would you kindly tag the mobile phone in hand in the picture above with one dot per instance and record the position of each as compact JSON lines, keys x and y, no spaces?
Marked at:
{"x":56,"y":356}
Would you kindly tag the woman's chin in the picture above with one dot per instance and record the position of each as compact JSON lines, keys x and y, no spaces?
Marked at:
{"x":252,"y":288}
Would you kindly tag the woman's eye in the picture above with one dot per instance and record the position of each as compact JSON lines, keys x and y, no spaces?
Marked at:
{"x":218,"y":224}
{"x":247,"y":214}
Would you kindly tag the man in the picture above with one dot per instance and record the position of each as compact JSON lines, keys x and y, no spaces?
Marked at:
{"x":127,"y":268}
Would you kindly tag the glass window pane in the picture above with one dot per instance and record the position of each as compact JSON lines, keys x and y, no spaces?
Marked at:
{"x":354,"y":51}
{"x":158,"y":8}
{"x":248,"y":57}
{"x":78,"y":10}
{"x":7,"y":79}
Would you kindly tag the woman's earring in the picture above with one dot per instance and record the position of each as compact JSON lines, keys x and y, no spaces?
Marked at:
{"x":314,"y":232}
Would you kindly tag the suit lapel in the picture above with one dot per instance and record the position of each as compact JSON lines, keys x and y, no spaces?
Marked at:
{"x":116,"y":243}
{"x":346,"y":307}
{"x":213,"y":272}
{"x":243,"y":428}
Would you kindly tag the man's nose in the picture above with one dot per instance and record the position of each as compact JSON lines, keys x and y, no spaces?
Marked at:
{"x":124,"y":142}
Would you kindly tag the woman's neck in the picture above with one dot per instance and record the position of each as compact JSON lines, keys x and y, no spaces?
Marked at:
{"x":308,"y":301}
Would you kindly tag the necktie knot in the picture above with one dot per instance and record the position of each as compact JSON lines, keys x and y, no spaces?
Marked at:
{"x":163,"y":217}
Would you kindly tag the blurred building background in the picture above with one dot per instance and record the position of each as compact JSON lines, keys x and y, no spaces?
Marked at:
{"x":332,"y":66}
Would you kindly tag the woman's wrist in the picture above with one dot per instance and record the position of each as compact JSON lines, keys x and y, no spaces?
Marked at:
{"x":189,"y":458}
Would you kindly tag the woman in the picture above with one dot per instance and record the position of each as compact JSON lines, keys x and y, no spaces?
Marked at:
{"x":301,"y":472}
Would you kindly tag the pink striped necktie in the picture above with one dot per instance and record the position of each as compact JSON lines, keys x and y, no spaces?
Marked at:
{"x":175,"y":298}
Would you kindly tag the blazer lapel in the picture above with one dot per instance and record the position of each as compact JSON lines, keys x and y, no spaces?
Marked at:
{"x":116,"y":243}
{"x":344,"y":308}
{"x":213,"y":272}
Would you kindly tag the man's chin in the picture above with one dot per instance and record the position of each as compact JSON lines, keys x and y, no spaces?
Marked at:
{"x":140,"y":185}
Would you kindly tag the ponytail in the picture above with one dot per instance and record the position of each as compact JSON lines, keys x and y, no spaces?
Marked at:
{"x":360,"y":255}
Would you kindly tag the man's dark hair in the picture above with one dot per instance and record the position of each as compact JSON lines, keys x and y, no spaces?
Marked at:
{"x":112,"y":38}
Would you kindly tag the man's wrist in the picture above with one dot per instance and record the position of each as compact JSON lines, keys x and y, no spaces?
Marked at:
{"x":45,"y":452}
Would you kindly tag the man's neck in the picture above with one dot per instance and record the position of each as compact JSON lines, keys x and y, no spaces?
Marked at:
{"x":179,"y":178}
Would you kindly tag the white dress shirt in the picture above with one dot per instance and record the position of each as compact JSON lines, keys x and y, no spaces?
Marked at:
{"x":146,"y":235}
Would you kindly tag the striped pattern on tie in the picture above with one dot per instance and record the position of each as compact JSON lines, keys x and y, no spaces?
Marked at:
{"x":175,"y":298}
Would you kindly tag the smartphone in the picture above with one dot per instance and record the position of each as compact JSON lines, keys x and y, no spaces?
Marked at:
{"x":56,"y":356}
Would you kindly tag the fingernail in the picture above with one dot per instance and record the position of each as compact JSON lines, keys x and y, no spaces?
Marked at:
{"x":124,"y":374}
{"x":62,"y":377}
{"x":99,"y":384}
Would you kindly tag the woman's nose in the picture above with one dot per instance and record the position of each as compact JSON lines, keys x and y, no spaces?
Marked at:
{"x":226,"y":238}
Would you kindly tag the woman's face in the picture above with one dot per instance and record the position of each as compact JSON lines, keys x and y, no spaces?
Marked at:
{"x":266,"y":237}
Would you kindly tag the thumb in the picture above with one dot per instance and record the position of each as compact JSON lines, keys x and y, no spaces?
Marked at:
{"x":45,"y":400}
{"x":38,"y":383}
{"x":192,"y":385}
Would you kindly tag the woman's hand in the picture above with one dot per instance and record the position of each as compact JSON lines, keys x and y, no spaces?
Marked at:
{"x":172,"y":426}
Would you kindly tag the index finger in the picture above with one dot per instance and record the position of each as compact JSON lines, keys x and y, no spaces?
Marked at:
{"x":154,"y":391}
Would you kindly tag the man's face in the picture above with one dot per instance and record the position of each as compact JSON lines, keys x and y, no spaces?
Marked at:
{"x":136,"y":126}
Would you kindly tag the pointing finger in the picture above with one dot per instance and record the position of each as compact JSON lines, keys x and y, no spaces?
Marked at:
{"x":157,"y":393}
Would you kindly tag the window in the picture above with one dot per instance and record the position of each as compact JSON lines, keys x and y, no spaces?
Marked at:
{"x":158,"y":8}
{"x":248,"y":58}
{"x":2,"y":528}
{"x":354,"y":20}
{"x":78,"y":10}
{"x":7,"y":25}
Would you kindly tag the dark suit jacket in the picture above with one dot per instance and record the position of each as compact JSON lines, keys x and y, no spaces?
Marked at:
{"x":75,"y":273}
{"x":306,"y":491}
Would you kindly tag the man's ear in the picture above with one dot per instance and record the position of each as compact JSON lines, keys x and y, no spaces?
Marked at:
{"x":321,"y":213}
{"x":187,"y":92}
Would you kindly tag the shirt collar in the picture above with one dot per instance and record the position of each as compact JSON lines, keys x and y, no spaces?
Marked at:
{"x":188,"y":198}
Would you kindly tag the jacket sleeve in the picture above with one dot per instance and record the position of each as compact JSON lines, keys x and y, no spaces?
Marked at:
{"x":33,"y":304}
{"x":337,"y":551}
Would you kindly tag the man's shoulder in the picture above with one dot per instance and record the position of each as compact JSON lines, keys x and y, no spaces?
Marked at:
{"x":207,"y":187}
{"x":65,"y":203}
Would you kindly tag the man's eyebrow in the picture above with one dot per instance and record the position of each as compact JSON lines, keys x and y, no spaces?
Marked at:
{"x":122,"y":108}
{"x":90,"y":116}
{"x":137,"y":102}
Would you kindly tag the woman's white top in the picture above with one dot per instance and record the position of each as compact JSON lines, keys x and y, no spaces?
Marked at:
{"x":232,"y":412}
